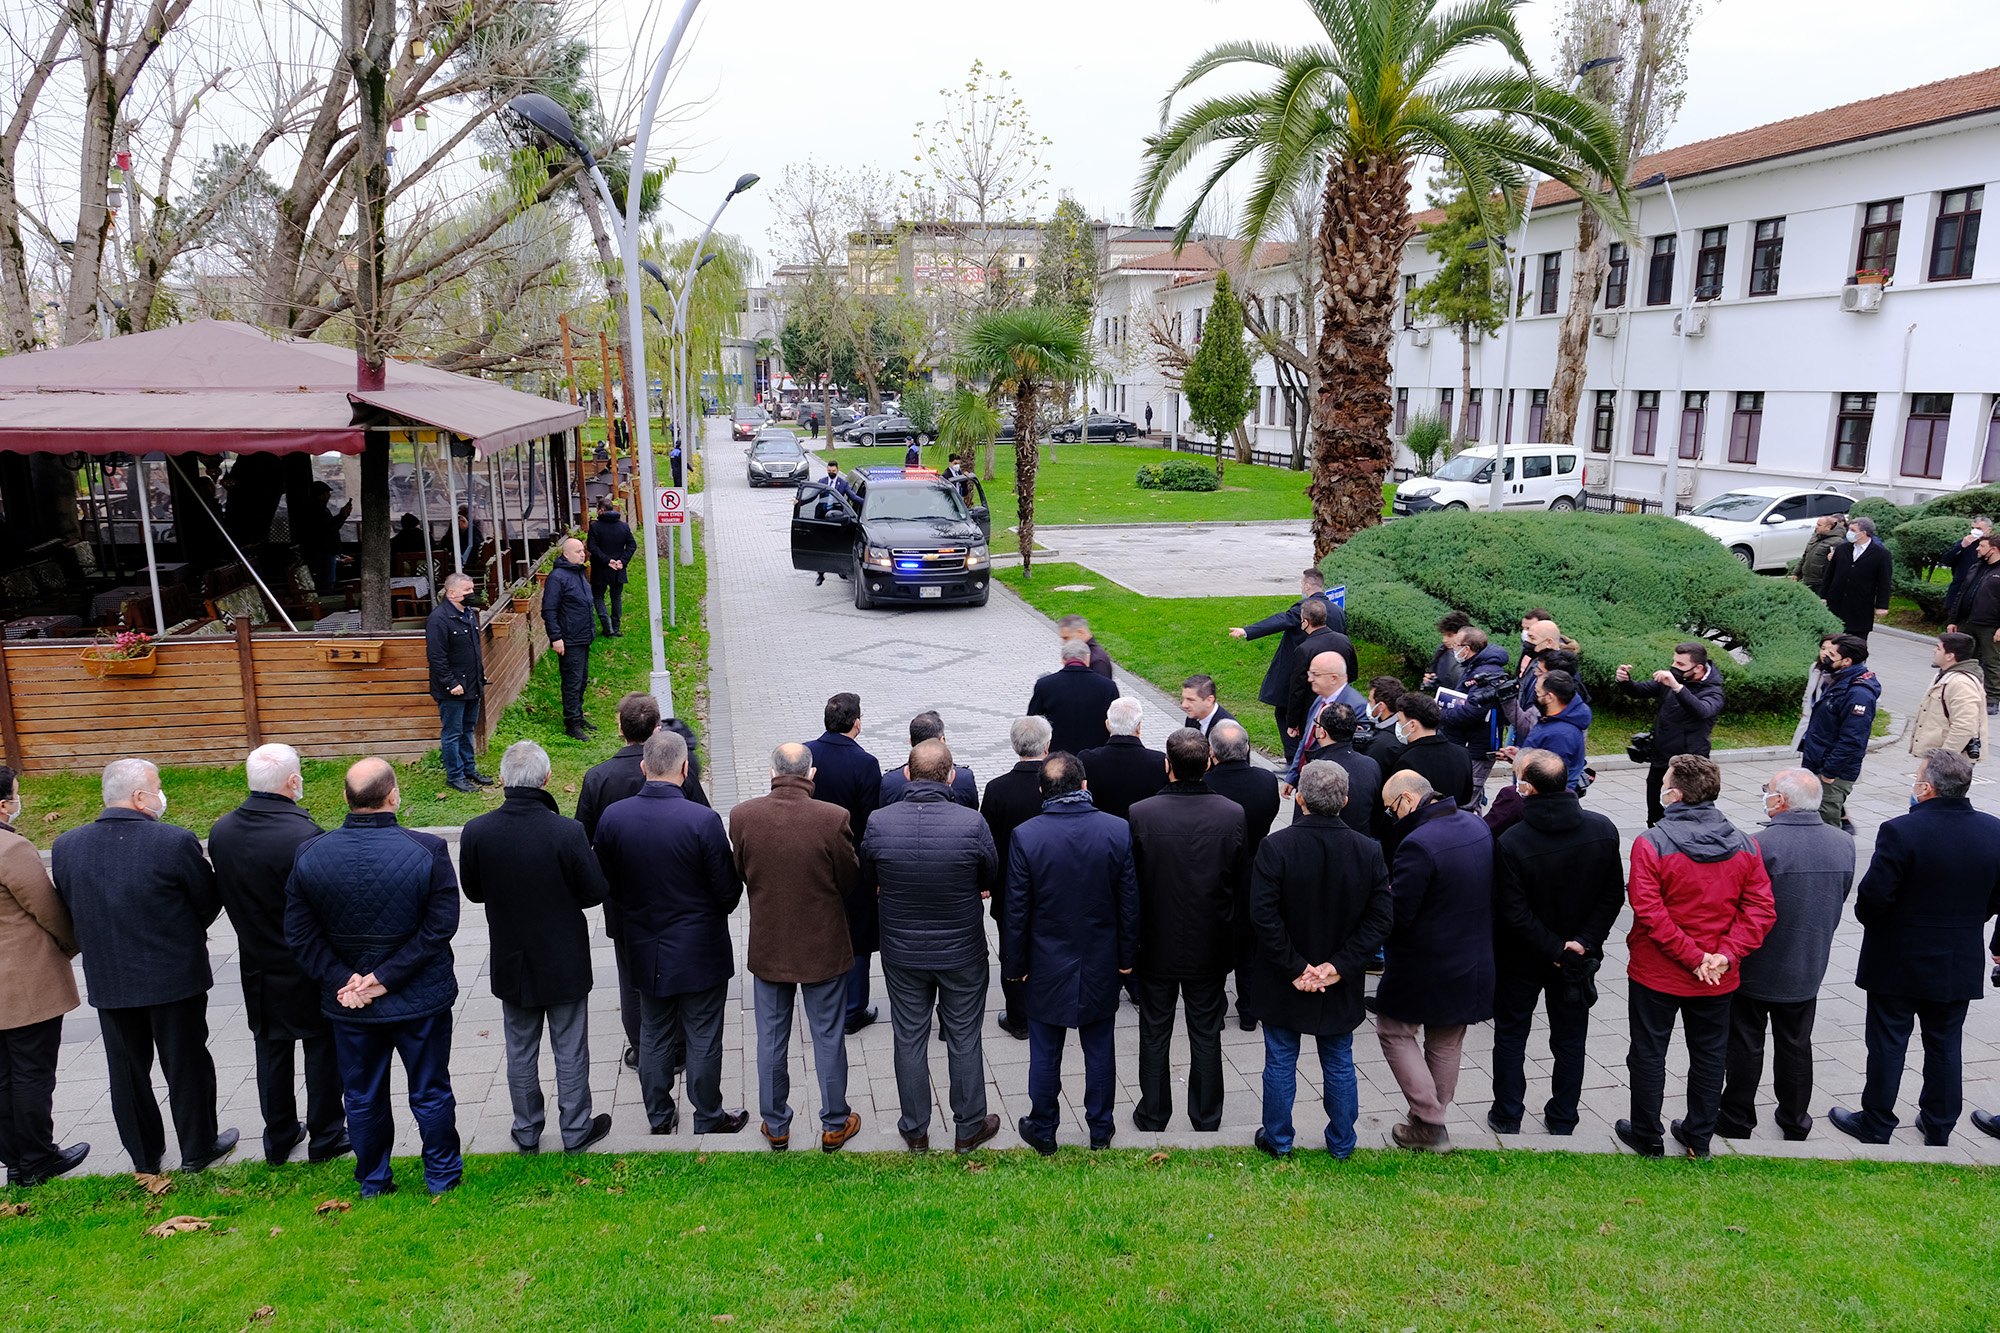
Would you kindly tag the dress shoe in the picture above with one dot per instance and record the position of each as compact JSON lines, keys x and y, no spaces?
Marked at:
{"x":1726,"y":1130}
{"x":225,"y":1144}
{"x":576,"y":732}
{"x":461,"y":784}
{"x":67,"y":1160}
{"x":278,"y":1147}
{"x":529,"y":1149}
{"x":1629,"y":1136}
{"x":1499,"y":1126}
{"x":732,"y":1122}
{"x":1099,"y":1145}
{"x":833,"y":1140}
{"x":1046,"y":1147}
{"x":987,"y":1129}
{"x":673,"y":1123}
{"x":1851,"y":1124}
{"x":919,"y":1144}
{"x":631,"y":1057}
{"x":1560,"y":1131}
{"x":1248,"y":1022}
{"x":1016,"y":1029}
{"x":600,"y":1126}
{"x":389,"y":1188}
{"x":481,"y":778}
{"x":1937,"y":1138}
{"x":1985,"y":1123}
{"x":588,"y":725}
{"x":1420,"y":1136}
{"x":340,"y":1147}
{"x":860,"y":1019}
{"x":778,"y":1142}
{"x":1269,"y":1149}
{"x":1698,"y":1151}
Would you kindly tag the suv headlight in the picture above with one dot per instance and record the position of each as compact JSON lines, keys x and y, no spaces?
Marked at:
{"x":877,"y":557}
{"x":976,"y":557}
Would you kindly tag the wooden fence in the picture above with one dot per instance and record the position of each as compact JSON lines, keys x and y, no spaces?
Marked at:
{"x":211,"y":699}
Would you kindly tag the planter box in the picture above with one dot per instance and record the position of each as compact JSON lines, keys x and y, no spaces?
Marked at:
{"x":136,"y":662}
{"x":503,"y":624}
{"x":349,"y":652}
{"x":522,"y":605}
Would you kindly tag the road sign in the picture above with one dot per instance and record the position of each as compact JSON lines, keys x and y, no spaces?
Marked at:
{"x":1338,"y":596}
{"x":669,"y":506}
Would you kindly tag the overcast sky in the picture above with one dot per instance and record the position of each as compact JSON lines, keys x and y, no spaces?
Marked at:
{"x":848,"y":82}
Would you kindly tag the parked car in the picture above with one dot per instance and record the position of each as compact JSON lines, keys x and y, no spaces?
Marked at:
{"x":908,"y":536}
{"x":746,"y":421}
{"x":1103,"y":426}
{"x":1532,"y":477}
{"x":847,"y":431}
{"x":843,"y":415}
{"x":887,"y":430}
{"x":777,"y":459}
{"x":1767,"y":527}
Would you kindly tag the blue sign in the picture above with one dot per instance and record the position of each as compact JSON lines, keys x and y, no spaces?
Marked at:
{"x":1338,"y":596}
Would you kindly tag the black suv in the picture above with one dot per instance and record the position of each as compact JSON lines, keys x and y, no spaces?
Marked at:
{"x":897,"y":534}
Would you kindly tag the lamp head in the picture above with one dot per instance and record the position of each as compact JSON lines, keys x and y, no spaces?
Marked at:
{"x":1599,"y":63}
{"x":547,"y":115}
{"x":656,"y":273}
{"x":744,"y":182}
{"x":1657,"y":178}
{"x":705,"y":260}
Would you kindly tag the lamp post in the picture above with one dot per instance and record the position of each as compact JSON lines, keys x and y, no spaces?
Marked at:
{"x":1670,"y":484}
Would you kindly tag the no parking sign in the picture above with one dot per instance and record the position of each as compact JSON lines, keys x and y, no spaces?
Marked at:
{"x":669,"y":506}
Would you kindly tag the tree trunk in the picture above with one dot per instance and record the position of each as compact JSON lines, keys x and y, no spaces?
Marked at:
{"x":1464,"y":429}
{"x":1026,"y":459}
{"x":1573,"y":340}
{"x":14,"y":300}
{"x":1242,"y":438}
{"x":281,"y":303}
{"x":615,"y":297}
{"x":1364,"y":224}
{"x":370,"y":41}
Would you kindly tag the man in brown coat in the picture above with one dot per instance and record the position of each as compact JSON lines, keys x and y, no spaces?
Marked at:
{"x":798,"y":866}
{"x":36,"y":989}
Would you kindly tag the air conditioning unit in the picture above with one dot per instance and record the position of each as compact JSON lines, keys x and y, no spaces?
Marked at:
{"x":1420,"y":336}
{"x":1606,"y":326}
{"x":1595,"y":470}
{"x":1684,"y":483}
{"x":1861,"y":299}
{"x":1696,"y":323}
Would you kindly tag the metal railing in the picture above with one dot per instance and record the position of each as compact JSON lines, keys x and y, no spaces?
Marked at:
{"x":1597,"y":502}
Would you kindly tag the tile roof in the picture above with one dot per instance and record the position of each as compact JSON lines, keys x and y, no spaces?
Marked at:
{"x":1195,"y":258}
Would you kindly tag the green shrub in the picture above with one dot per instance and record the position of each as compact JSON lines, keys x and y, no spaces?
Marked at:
{"x":1979,"y":500}
{"x":1886,"y":513}
{"x":1626,"y":587}
{"x":1178,"y":474}
{"x":1923,"y":543}
{"x":1426,"y":435}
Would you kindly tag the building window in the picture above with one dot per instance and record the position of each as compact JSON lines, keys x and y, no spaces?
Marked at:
{"x":1409,"y":294}
{"x":1767,"y":250}
{"x":1924,"y":436}
{"x":1745,"y":426}
{"x":1850,"y":435}
{"x":1292,"y":317}
{"x":1402,"y":410}
{"x":1615,"y":276}
{"x":1472,"y":406}
{"x":1552,"y":264}
{"x":1956,"y":237}
{"x":1645,"y":422}
{"x":1199,"y":311}
{"x":1660,"y":272}
{"x":1708,"y":263}
{"x":1881,"y":229}
{"x":1990,"y":469}
{"x":1605,"y":422}
{"x":1538,"y":412}
{"x":1444,"y":410}
{"x":1694,"y":415}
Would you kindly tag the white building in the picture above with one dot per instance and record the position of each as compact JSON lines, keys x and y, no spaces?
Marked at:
{"x":1792,"y":373}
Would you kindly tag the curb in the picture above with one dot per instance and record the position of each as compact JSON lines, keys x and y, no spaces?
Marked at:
{"x":1749,"y":755}
{"x":1910,"y":635}
{"x":1204,"y":525}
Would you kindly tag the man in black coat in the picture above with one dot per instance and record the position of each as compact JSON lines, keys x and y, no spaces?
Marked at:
{"x":1690,"y":698}
{"x":928,"y":726}
{"x":534,"y":871}
{"x":1444,"y":764}
{"x":1318,"y":638}
{"x":668,"y":866}
{"x":1333,"y":739}
{"x":1979,"y":615}
{"x":1859,"y":579}
{"x":611,"y":547}
{"x":1923,"y":907}
{"x":142,"y":898}
{"x":1189,"y":853}
{"x":604,"y":786}
{"x":1558,"y":883}
{"x":1385,"y":697}
{"x":457,"y":679}
{"x":1074,"y":628}
{"x":1966,"y":565}
{"x":848,"y":776}
{"x":1204,"y":711}
{"x":1290,"y":628}
{"x":567,"y":613}
{"x":1011,"y":800}
{"x":1124,"y":770}
{"x":254,"y":846}
{"x":1320,"y":907}
{"x":1074,"y":700}
{"x":1256,"y":791}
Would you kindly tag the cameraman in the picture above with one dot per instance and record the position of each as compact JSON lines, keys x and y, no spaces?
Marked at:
{"x":1690,"y":695}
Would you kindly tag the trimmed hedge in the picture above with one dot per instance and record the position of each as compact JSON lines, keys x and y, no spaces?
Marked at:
{"x":1921,"y":537}
{"x":1626,"y":587}
{"x":1178,"y":474}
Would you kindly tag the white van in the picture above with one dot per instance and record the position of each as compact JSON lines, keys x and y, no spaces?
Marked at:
{"x":1533,"y":476}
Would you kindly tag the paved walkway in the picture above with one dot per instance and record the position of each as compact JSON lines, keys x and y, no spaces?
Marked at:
{"x":781,"y":645}
{"x":1191,"y":560}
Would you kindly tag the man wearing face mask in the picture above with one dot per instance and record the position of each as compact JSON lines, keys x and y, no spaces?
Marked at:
{"x":1979,"y":608}
{"x":1859,"y":579}
{"x":1483,"y":678}
{"x":143,"y":898}
{"x":1690,"y":698}
{"x":1446,"y":766}
{"x":1385,"y":694}
{"x":1966,"y":564}
{"x":1836,"y":739}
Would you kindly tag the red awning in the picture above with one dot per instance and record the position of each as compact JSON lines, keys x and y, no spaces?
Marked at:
{"x":214,"y":387}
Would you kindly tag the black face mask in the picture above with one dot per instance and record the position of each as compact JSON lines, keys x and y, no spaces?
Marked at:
{"x":1826,"y":664}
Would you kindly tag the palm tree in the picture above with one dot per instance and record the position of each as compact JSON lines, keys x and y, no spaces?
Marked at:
{"x":1354,"y":115}
{"x":967,"y":424}
{"x":1023,"y":352}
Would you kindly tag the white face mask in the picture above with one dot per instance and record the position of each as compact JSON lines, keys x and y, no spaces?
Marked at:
{"x":1768,"y":796}
{"x":161,"y":813}
{"x":1402,"y":733}
{"x":19,"y":806}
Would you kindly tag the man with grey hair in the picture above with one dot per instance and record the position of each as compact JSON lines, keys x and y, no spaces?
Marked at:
{"x":568,"y":615}
{"x":457,"y":680}
{"x":1256,"y":790}
{"x":1811,"y":865}
{"x":142,"y":897}
{"x":1075,"y":629}
{"x":1011,"y":800}
{"x":1859,"y":579}
{"x":1074,"y":700}
{"x":254,"y":846}
{"x":533,"y":869}
{"x":1124,"y":770}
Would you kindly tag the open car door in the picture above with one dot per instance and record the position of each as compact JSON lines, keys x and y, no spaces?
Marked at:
{"x":822,"y":530}
{"x":975,"y":503}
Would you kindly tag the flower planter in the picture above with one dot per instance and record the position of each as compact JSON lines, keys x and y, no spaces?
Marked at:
{"x":349,"y":652}
{"x":503,"y":625}
{"x":522,"y":603}
{"x":139,"y":661}
{"x":1871,"y":279}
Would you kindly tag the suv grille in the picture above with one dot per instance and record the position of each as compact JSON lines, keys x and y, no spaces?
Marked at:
{"x":910,"y":560}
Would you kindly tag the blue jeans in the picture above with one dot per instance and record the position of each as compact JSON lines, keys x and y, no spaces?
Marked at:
{"x":1281,"y":1086}
{"x":1100,"y":1078}
{"x":457,"y":714}
{"x":424,"y":1044}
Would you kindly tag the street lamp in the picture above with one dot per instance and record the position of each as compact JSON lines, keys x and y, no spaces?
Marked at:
{"x":1670,"y":484}
{"x":683,"y":419}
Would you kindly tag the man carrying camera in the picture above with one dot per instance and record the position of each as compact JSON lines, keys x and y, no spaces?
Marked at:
{"x":1690,"y":696}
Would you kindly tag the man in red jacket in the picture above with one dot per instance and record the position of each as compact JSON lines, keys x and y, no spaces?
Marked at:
{"x":1701,"y":900}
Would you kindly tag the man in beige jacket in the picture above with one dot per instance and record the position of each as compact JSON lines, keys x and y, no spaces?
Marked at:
{"x":1953,"y":714}
{"x":37,"y":988}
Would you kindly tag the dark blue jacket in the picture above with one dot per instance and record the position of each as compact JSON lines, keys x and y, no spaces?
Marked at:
{"x":964,"y":788}
{"x":1964,"y":564}
{"x":668,"y":865}
{"x":851,"y":778}
{"x":1440,"y":951}
{"x":1836,"y":739}
{"x":1565,"y":734}
{"x":1286,"y":624}
{"x":610,"y":539}
{"x":451,"y":647}
{"x":927,"y":859}
{"x":1074,"y":700}
{"x":567,"y":611}
{"x":374,"y":897}
{"x":1072,"y":915}
{"x":1484,"y":680}
{"x":1924,"y":902}
{"x":142,"y":897}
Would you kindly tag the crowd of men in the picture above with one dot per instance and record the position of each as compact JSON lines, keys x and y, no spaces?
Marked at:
{"x":1111,"y":868}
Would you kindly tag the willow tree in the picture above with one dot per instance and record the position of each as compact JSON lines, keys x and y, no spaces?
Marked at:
{"x":1388,"y":87}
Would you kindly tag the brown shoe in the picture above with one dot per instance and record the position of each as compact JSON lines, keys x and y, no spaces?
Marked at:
{"x":919,"y":1143}
{"x":1421,"y":1136}
{"x":778,"y":1142}
{"x":987,"y":1129}
{"x":834,"y":1140}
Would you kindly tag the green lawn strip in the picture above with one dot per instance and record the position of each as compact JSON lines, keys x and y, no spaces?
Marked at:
{"x":1213,"y":1239}
{"x":198,"y":796}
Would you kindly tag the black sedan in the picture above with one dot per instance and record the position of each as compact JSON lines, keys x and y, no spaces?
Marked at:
{"x":860,"y":422}
{"x":885,"y":430}
{"x":777,"y":460}
{"x":1103,"y":426}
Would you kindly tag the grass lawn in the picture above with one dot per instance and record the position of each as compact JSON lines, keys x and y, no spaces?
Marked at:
{"x":1214,"y":1239}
